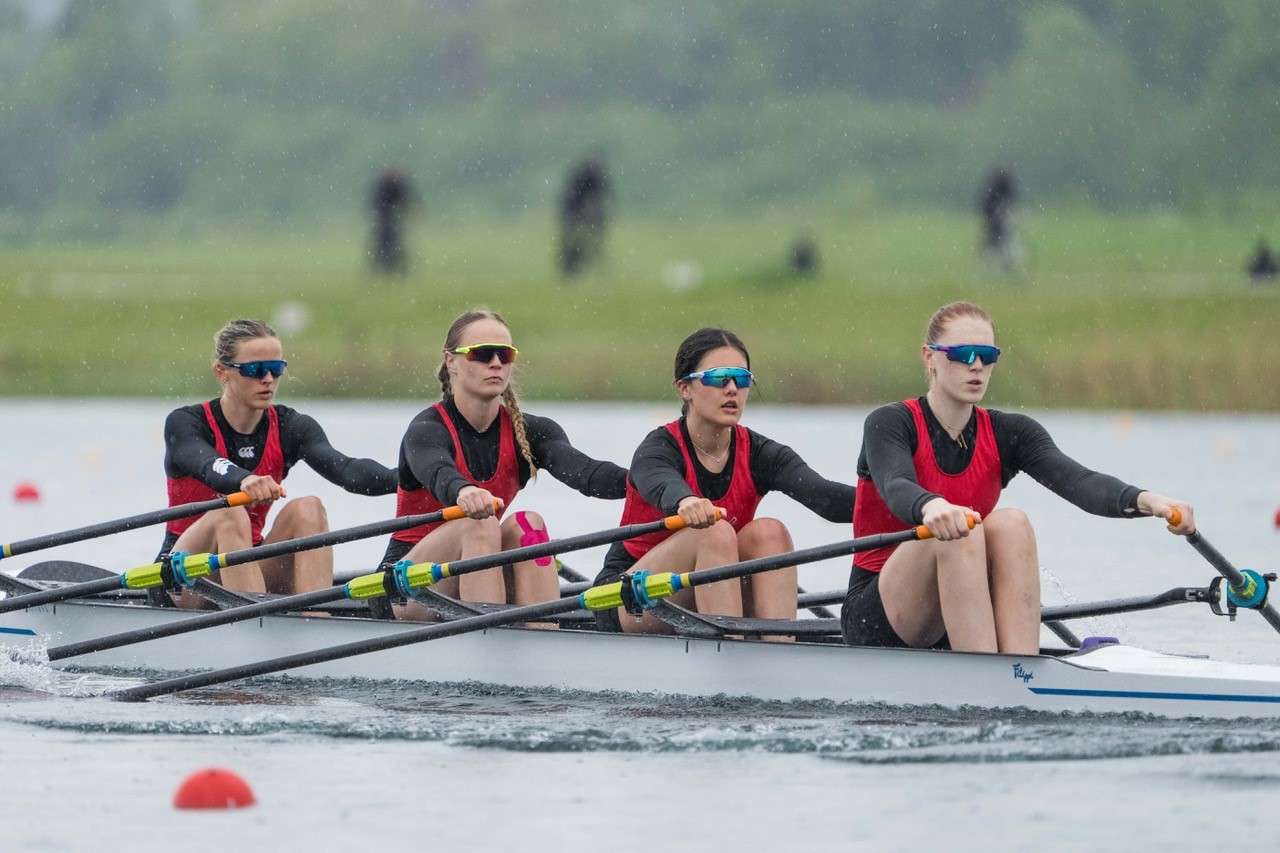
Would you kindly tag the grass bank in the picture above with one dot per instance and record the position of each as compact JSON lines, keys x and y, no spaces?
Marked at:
{"x":1150,"y":312}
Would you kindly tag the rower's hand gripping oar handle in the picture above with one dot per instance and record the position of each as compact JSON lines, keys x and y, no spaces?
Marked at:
{"x":183,"y":569}
{"x":923,"y":532}
{"x":637,"y":591}
{"x":406,"y":578}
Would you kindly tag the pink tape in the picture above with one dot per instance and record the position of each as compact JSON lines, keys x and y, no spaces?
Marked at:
{"x":532,"y":536}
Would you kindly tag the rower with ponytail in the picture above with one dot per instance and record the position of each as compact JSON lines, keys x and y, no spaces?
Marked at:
{"x":476,"y":448}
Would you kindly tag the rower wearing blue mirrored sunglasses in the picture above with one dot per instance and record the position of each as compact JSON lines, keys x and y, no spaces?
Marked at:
{"x":966,"y":353}
{"x":241,"y":441}
{"x":718,"y":377}
{"x":942,"y":460}
{"x":259,"y":369}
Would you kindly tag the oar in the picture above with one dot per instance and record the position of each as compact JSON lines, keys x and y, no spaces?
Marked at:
{"x":190,"y":568}
{"x":367,"y":586}
{"x":1248,"y":589}
{"x":644,"y":587}
{"x":120,"y":525}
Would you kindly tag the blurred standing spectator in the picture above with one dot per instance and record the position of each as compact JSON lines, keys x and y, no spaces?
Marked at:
{"x":1262,"y":265}
{"x":1000,"y":243}
{"x":393,"y":196}
{"x":584,"y":216}
{"x":804,"y":256}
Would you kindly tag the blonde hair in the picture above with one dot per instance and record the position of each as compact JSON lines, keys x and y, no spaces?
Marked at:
{"x":951,"y":311}
{"x":510,"y":398}
{"x":231,"y":336}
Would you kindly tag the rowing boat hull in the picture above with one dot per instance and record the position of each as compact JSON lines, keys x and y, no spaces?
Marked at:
{"x":1108,"y":679}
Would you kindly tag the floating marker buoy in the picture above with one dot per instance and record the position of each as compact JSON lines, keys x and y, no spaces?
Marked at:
{"x":1278,"y":518}
{"x":213,"y":788}
{"x":26,"y":492}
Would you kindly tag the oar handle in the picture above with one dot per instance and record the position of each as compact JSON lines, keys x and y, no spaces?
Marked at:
{"x":923,"y":532}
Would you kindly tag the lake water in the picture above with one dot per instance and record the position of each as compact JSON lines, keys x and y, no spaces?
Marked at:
{"x":404,"y":766}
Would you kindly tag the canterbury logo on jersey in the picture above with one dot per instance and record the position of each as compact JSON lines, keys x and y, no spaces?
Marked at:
{"x":221,"y":466}
{"x":246,"y":453}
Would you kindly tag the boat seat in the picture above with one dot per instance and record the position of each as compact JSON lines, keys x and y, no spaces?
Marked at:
{"x":690,"y":624}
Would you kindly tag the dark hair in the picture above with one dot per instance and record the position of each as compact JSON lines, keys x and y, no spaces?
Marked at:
{"x":693,"y":348}
{"x":510,"y":398}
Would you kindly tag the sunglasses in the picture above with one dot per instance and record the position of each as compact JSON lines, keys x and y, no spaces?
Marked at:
{"x":258,"y":369}
{"x":966,"y":353}
{"x":484,"y":353}
{"x":718,"y":377}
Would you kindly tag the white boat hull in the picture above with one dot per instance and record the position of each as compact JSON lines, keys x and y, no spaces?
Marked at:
{"x":1108,"y":679}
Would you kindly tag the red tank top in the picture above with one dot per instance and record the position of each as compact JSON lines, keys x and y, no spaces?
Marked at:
{"x":978,"y":486}
{"x":739,"y":502}
{"x":187,"y":489}
{"x":504,"y":484}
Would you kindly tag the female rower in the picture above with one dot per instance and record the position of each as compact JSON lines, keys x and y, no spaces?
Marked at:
{"x":265,"y":441}
{"x":936,"y":458}
{"x":476,"y":449}
{"x":704,"y":461}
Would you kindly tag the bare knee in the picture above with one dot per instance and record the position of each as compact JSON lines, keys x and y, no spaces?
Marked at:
{"x":513,"y":532}
{"x":308,"y":514}
{"x":230,"y":523}
{"x":485,"y":532}
{"x":719,"y":538}
{"x":1008,"y":525}
{"x":764,"y":536}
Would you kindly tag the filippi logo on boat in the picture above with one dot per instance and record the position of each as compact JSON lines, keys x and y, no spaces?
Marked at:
{"x":1022,"y":674}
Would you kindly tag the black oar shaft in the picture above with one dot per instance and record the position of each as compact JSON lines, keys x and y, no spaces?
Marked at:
{"x":531,"y":613}
{"x":390,"y":641}
{"x":120,"y":525}
{"x":1216,"y":559}
{"x":289,"y":546}
{"x":324,"y":596}
{"x":196,"y":622}
{"x":49,"y":596}
{"x":326,"y":539}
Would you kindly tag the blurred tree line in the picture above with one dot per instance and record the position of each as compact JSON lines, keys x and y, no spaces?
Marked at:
{"x":213,"y":113}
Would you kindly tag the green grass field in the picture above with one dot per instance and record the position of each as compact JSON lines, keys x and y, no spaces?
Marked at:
{"x":1151,"y":312}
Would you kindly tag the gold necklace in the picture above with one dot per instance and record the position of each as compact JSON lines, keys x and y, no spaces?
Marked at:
{"x":959,"y":434}
{"x":712,"y":456}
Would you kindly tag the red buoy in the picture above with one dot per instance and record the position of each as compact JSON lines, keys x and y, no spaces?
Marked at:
{"x":1278,"y":518}
{"x":26,"y":491}
{"x":213,"y":788}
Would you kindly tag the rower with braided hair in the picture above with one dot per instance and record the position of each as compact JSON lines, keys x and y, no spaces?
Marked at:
{"x":477,"y":449}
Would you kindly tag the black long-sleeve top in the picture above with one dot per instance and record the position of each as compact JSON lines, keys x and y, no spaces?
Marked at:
{"x":190,"y":451}
{"x":426,"y":457}
{"x":658,"y":474}
{"x":889,"y":441}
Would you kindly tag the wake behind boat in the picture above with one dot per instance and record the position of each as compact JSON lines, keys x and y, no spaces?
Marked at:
{"x":1101,"y":677}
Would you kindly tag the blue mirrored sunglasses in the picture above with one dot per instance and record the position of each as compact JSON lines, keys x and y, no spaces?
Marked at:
{"x":718,"y":377}
{"x":259,"y":369}
{"x":966,"y":353}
